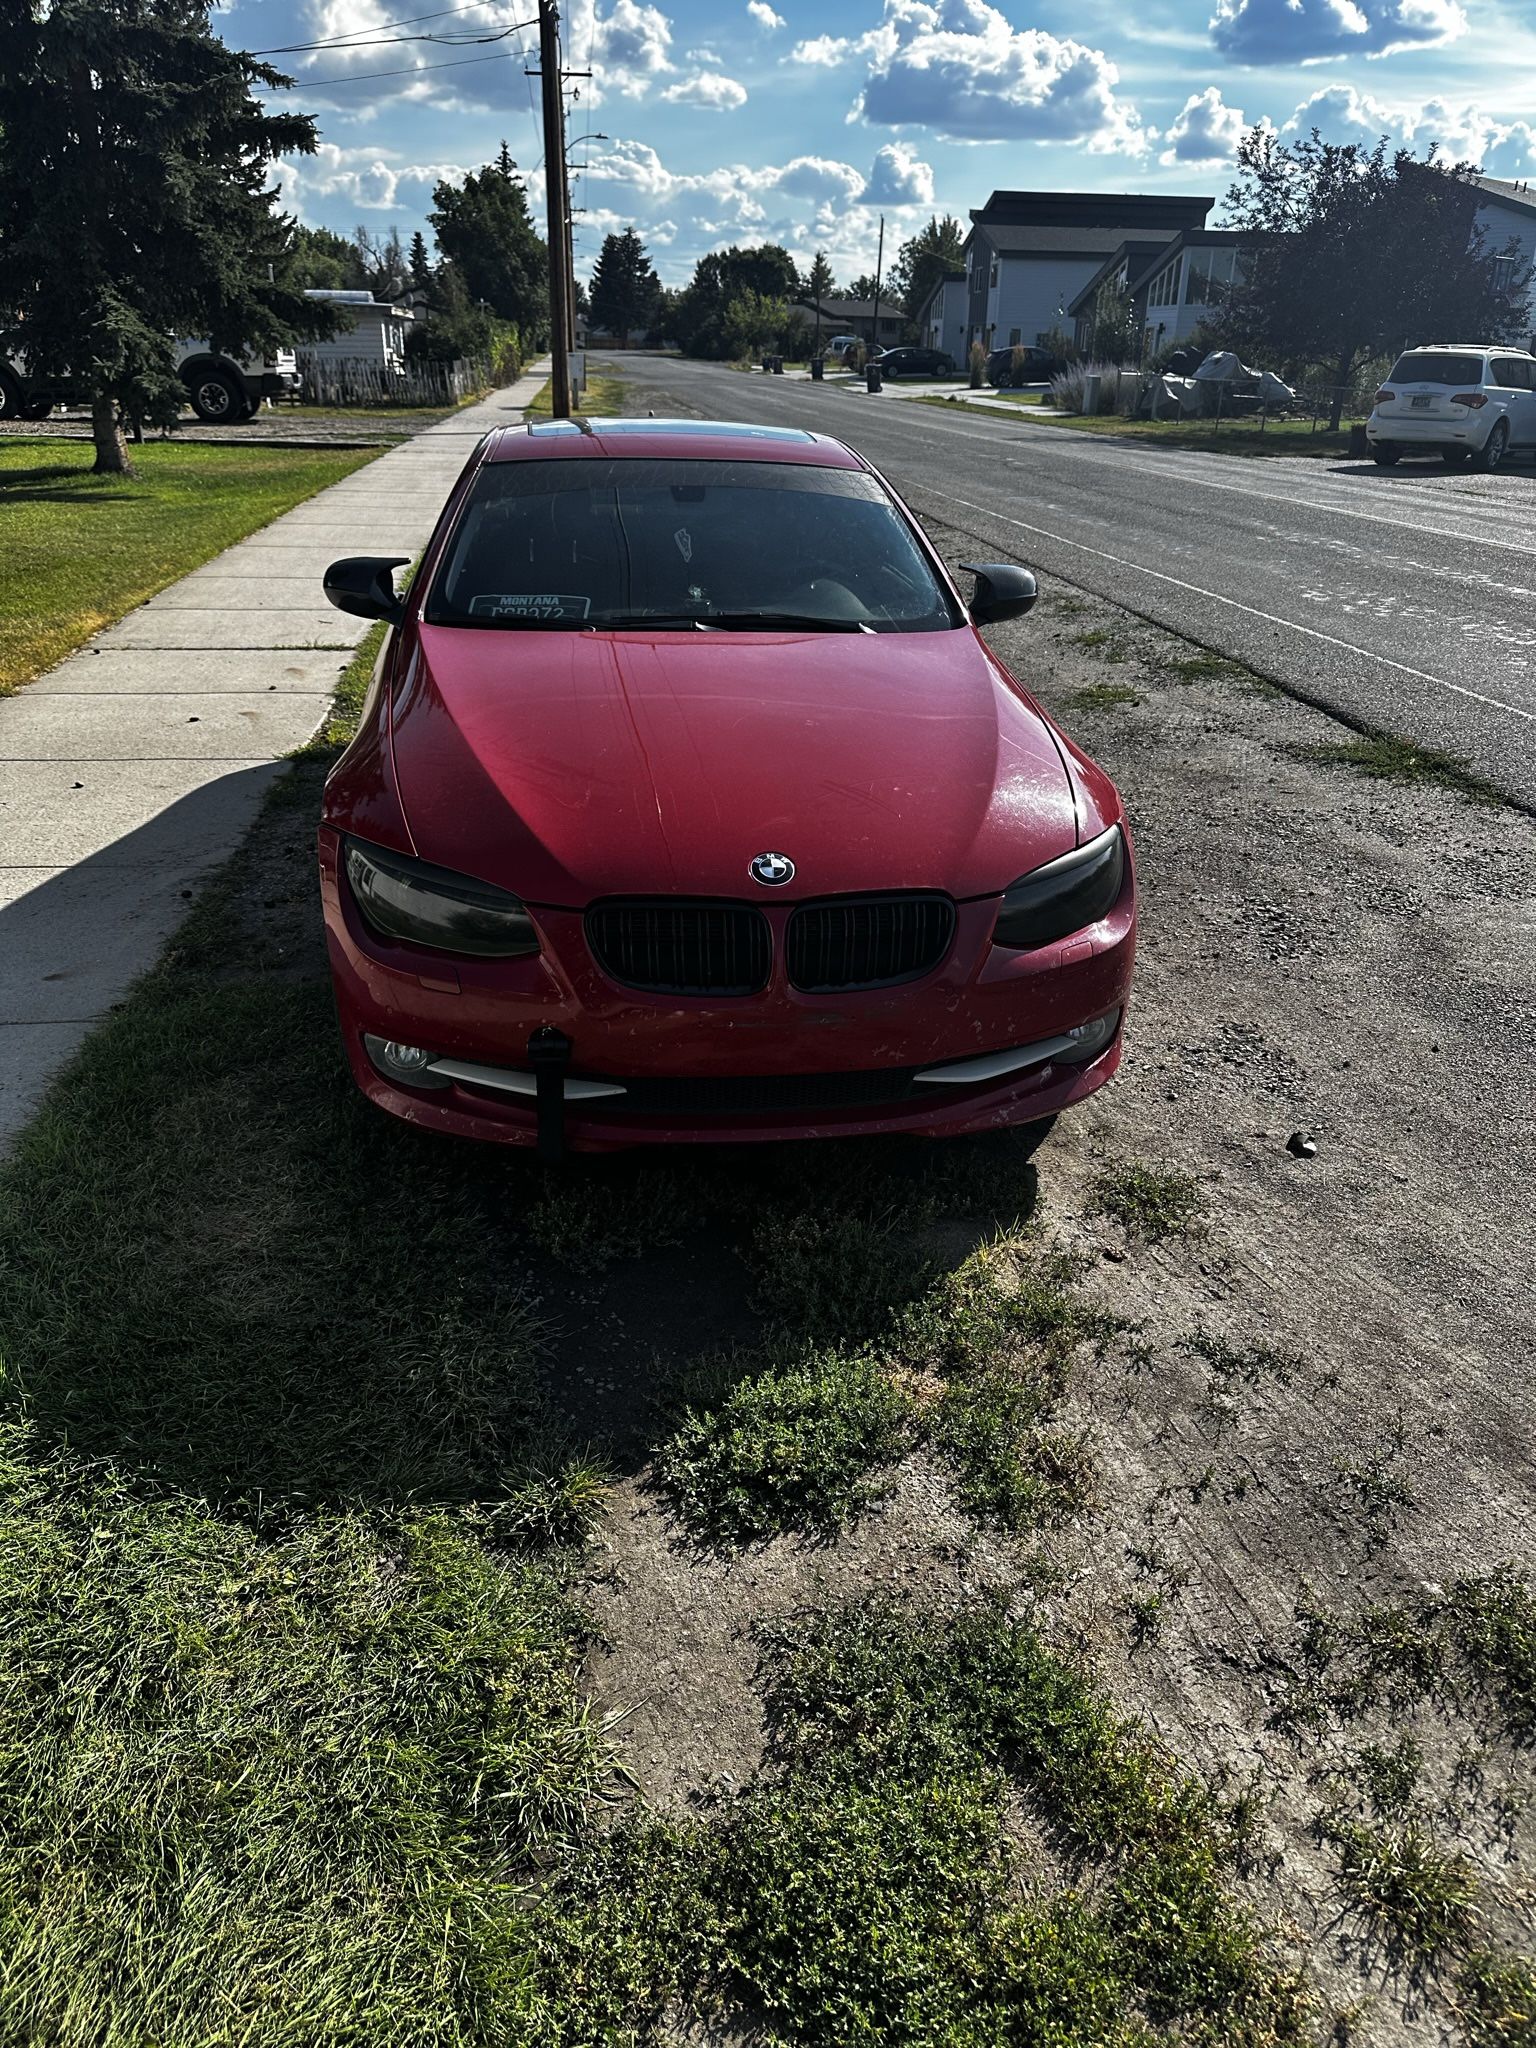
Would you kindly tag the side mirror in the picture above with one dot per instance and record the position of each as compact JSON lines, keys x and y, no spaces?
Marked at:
{"x":365,"y":586}
{"x":1002,"y":591}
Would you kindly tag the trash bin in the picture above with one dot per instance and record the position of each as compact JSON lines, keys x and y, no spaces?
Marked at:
{"x":817,"y":368}
{"x":871,"y":376}
{"x":1358,"y":445}
{"x":778,"y":366}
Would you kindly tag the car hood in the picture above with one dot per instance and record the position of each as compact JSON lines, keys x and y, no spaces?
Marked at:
{"x":566,"y":766}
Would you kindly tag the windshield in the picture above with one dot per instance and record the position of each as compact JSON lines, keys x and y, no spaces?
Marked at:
{"x":685,"y":546}
{"x":1430,"y":368}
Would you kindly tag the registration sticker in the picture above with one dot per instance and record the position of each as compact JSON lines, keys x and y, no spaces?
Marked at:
{"x":529,"y":604}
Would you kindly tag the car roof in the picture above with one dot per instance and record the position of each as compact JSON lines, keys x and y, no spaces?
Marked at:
{"x":675,"y":440}
{"x":1469,"y":348}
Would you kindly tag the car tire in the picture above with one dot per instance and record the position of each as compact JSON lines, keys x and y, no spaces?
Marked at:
{"x":37,"y":408}
{"x":1386,"y":457}
{"x":217,"y":399}
{"x":946,"y":367}
{"x":1455,"y":458}
{"x":10,"y":398}
{"x":1491,"y":455}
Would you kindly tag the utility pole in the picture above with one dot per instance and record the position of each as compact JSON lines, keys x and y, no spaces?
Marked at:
{"x":874,"y":334}
{"x":557,"y":210}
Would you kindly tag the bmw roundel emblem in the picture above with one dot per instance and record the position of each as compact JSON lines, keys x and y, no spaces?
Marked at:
{"x":772,"y":870}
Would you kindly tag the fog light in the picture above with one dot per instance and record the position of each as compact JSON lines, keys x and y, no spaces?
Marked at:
{"x":1088,"y":1040}
{"x":411,"y":1064}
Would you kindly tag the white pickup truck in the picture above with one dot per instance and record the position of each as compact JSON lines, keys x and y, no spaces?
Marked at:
{"x":220,"y":388}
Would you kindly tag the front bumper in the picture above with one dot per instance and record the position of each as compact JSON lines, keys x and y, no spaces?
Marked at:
{"x":279,"y":384}
{"x":481,"y":1014}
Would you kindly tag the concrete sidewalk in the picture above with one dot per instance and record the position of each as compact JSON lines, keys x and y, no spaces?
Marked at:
{"x":136,"y":766}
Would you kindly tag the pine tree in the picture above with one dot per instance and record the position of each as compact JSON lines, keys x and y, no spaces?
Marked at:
{"x":484,"y":227}
{"x":133,"y":204}
{"x":817,"y":286}
{"x":625,"y":291}
{"x":419,"y":265}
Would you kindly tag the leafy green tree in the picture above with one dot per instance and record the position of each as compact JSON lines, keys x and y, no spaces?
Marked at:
{"x":1355,"y":252}
{"x":134,"y":206}
{"x":1114,"y":338}
{"x":485,"y":229}
{"x":698,"y":315}
{"x":626,"y":293}
{"x":319,"y":260}
{"x":923,"y":260}
{"x":754,"y":322}
{"x":863,"y":287}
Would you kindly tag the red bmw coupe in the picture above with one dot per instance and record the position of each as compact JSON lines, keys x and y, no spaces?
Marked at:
{"x":689,"y":805}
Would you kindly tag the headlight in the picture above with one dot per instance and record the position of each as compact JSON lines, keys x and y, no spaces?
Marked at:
{"x":1064,"y":895}
{"x":401,"y":898}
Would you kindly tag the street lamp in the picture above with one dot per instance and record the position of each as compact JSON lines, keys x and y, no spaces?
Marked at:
{"x":592,"y":135}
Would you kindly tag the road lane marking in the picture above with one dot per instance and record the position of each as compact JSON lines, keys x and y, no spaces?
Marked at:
{"x":1253,"y":611}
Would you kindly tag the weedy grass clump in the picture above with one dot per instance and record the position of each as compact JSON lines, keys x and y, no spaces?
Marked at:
{"x":1103,"y":697}
{"x":1151,"y":1203}
{"x":1394,"y":760}
{"x":1423,"y":1900}
{"x":866,"y":1888}
{"x":798,"y":1445}
{"x":1496,"y":2001}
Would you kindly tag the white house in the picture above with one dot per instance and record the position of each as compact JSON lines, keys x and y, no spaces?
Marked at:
{"x":1508,"y":214}
{"x":1030,"y":254}
{"x":373,"y":333}
{"x":1173,"y":286}
{"x":941,"y":318}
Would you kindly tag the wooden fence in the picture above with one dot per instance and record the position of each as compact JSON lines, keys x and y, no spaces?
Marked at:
{"x":354,"y":380}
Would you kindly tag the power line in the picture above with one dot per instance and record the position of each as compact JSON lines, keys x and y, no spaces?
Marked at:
{"x":409,"y":71}
{"x":342,"y":42}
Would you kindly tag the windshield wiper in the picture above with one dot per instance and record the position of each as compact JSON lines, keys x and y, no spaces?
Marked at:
{"x":730,"y":622}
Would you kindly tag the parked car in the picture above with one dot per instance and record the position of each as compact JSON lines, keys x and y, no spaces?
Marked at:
{"x":1463,"y":401}
{"x":1037,"y":366}
{"x":915,"y":362}
{"x":219,"y":387}
{"x":840,"y":346}
{"x":651,"y":831}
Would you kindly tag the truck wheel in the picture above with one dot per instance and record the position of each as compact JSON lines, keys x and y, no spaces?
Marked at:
{"x":216,"y":398}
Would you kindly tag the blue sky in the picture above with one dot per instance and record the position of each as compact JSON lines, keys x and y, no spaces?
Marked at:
{"x":801,"y":122}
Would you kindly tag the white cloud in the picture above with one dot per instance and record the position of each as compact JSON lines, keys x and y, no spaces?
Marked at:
{"x":1204,"y":131}
{"x":961,"y":69}
{"x":808,"y":203}
{"x":899,"y":177}
{"x":365,"y":177}
{"x":764,"y":15}
{"x":708,"y":89}
{"x":1313,"y":31}
{"x":626,"y":47}
{"x":1456,"y":134}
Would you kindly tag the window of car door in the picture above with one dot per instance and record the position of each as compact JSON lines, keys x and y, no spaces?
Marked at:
{"x":1513,"y":374}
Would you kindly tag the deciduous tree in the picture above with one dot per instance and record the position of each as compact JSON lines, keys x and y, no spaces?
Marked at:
{"x":134,"y":203}
{"x":923,"y":260}
{"x":1356,"y":252}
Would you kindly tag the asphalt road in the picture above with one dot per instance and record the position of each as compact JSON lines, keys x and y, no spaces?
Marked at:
{"x":1403,"y":600}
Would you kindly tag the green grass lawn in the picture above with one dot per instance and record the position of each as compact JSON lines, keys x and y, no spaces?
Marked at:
{"x":80,"y":550}
{"x":1279,"y":437}
{"x":602,"y":399}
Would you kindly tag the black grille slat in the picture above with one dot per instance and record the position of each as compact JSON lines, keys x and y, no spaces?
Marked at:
{"x":867,"y":942}
{"x":674,"y":947}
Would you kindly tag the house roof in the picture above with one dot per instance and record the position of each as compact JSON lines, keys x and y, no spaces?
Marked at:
{"x":853,"y":309}
{"x":1019,"y":239}
{"x":1509,"y":192}
{"x":1131,"y":213}
{"x":1134,"y":255}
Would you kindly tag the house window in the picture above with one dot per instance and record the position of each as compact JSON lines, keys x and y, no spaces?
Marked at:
{"x":1211,"y":272}
{"x":1503,"y":272}
{"x":1013,"y":336}
{"x":993,"y":279}
{"x":1165,"y":286}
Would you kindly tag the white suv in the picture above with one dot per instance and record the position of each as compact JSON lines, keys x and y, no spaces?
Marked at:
{"x":1462,"y":401}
